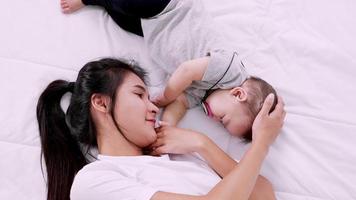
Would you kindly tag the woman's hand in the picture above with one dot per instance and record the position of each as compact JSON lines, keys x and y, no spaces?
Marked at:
{"x":175,"y":140}
{"x":266,"y":127}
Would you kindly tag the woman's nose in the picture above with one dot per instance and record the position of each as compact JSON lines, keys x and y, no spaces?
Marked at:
{"x":153,"y":108}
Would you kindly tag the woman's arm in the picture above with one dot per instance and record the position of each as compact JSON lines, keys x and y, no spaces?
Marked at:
{"x":240,"y":182}
{"x":216,"y":158}
{"x":181,"y":141}
{"x":223,"y":164}
{"x":237,"y":185}
{"x":174,"y":196}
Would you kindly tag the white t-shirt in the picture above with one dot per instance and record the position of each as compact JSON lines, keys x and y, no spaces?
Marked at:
{"x":139,"y":177}
{"x":184,"y":31}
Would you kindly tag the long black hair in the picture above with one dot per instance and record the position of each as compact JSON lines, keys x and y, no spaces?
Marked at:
{"x":63,"y":135}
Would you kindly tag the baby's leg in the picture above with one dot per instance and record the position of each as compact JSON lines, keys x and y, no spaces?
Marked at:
{"x":132,"y":8}
{"x":126,"y":13}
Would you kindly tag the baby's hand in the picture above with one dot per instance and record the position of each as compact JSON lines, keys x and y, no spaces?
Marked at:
{"x":160,"y":100}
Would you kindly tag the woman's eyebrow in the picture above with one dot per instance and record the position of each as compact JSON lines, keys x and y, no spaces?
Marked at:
{"x":140,"y":87}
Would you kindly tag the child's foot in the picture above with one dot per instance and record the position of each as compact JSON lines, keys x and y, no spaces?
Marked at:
{"x":69,"y":6}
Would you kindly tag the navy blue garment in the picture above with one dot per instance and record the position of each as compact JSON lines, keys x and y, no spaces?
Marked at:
{"x":128,"y":13}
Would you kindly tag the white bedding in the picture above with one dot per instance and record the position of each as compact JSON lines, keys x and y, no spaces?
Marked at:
{"x":306,"y":49}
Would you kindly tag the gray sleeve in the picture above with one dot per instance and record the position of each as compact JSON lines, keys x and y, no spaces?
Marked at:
{"x":193,"y":100}
{"x":219,"y":63}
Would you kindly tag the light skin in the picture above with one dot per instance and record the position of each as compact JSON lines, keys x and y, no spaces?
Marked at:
{"x":69,"y":6}
{"x":134,"y":113}
{"x":227,"y":105}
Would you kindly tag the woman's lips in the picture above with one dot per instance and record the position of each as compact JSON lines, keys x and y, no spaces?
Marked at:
{"x":151,"y":120}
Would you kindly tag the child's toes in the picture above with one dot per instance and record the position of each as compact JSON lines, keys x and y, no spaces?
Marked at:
{"x":69,"y":6}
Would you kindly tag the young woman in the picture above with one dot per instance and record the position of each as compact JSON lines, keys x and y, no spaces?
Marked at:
{"x":110,"y":110}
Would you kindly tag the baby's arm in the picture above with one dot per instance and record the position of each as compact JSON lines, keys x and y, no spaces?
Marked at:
{"x":181,"y":79}
{"x":175,"y":111}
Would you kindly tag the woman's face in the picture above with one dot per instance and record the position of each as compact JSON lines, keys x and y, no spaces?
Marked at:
{"x":134,"y":112}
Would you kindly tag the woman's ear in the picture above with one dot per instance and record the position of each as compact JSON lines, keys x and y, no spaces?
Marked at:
{"x":100,"y":102}
{"x":239,"y":93}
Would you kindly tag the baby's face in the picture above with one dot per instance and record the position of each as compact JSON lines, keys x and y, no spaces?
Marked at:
{"x":236,"y":121}
{"x":230,"y":108}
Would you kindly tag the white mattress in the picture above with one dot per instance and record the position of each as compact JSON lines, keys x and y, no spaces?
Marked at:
{"x":306,"y":49}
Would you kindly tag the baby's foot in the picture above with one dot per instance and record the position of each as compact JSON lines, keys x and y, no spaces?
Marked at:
{"x":69,"y":6}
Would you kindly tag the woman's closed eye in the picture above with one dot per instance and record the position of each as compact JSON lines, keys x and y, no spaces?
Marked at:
{"x":140,"y":91}
{"x":141,"y":95}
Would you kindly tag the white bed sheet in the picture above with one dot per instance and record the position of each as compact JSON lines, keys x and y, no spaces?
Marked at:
{"x":304,"y":48}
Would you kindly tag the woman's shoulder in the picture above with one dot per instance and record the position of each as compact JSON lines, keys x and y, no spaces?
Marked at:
{"x":97,"y":163}
{"x":97,"y":167}
{"x":109,"y":178}
{"x":93,"y":169}
{"x":91,"y":177}
{"x":111,"y":166}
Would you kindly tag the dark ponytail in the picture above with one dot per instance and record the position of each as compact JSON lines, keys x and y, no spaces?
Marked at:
{"x":61,"y":151}
{"x":63,"y":135}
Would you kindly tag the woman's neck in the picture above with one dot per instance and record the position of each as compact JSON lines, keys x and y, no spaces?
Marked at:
{"x":112,"y":143}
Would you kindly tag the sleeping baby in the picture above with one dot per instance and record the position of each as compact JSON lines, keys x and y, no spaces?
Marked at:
{"x":204,"y":69}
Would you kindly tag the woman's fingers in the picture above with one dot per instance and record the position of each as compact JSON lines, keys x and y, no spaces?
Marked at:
{"x":159,"y":151}
{"x":159,"y":134}
{"x":163,"y":123}
{"x":267,"y":105}
{"x":279,"y":110}
{"x":162,"y":126}
{"x":157,"y":143}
